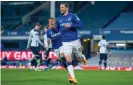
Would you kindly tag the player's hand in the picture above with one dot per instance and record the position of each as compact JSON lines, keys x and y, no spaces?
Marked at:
{"x":51,"y":26}
{"x":27,"y":49}
{"x":98,"y":53}
{"x":109,"y":54}
{"x":45,"y":29}
{"x":67,"y":25}
{"x":46,"y":48}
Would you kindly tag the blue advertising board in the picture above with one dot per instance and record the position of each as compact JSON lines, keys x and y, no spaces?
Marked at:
{"x":126,"y":34}
{"x":110,"y":34}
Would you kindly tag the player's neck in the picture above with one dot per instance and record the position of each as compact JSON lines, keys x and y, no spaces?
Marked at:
{"x":65,"y":13}
{"x":51,"y":26}
{"x":35,"y":29}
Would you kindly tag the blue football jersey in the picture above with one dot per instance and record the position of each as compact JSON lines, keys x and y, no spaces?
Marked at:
{"x":68,"y":34}
{"x":55,"y":37}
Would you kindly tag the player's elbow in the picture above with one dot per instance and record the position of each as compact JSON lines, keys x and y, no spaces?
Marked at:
{"x":77,"y":25}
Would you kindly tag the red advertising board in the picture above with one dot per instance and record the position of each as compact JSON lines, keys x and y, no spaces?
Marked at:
{"x":76,"y":68}
{"x":23,"y":55}
{"x":17,"y":55}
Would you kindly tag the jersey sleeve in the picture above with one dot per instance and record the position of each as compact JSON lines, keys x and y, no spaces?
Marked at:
{"x":48,"y":38}
{"x":99,"y":43}
{"x":45,"y":40}
{"x":38,"y":39}
{"x":57,"y":25}
{"x":48,"y":34}
{"x":107,"y":43}
{"x":76,"y":22}
{"x":29,"y":40}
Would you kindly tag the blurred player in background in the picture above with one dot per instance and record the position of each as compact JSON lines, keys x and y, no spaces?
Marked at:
{"x":103,"y":50}
{"x":67,"y":24}
{"x":56,"y":40}
{"x":45,"y":38}
{"x":48,"y":46}
{"x":33,"y":44}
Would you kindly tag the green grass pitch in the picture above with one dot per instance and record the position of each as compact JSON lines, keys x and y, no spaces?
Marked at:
{"x":59,"y":77}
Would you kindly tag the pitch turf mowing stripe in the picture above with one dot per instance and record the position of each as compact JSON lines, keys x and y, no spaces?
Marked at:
{"x":59,"y":77}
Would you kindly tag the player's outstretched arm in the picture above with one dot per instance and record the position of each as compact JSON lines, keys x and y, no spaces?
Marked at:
{"x":39,"y":41}
{"x":77,"y":23}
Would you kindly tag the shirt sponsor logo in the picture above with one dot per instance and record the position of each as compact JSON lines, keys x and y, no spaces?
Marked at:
{"x":54,"y":35}
{"x":69,"y":19}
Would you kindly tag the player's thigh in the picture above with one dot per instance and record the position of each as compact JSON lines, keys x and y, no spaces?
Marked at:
{"x":67,"y":48}
{"x":57,"y":52}
{"x":35,"y":50}
{"x":77,"y":48}
{"x":47,"y":52}
{"x":37,"y":54}
{"x":105,"y":57}
{"x":61,"y":51}
{"x":101,"y":56}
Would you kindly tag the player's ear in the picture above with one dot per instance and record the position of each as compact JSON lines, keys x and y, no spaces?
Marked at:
{"x":67,"y":8}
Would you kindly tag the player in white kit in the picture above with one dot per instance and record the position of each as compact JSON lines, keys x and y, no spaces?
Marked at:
{"x":103,"y":51}
{"x":33,"y":44}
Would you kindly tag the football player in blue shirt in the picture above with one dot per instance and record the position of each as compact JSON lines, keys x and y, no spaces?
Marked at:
{"x":54,"y":37}
{"x":68,"y":23}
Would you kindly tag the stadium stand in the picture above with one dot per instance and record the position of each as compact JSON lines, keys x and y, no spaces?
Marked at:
{"x":12,"y":19}
{"x":93,"y":17}
{"x":124,"y":21}
{"x":96,"y":16}
{"x":118,"y":58}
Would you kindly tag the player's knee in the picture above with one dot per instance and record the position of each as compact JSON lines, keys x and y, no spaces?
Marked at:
{"x":78,"y":54}
{"x":79,"y":59}
{"x":100,"y":60}
{"x":68,"y":58}
{"x":69,"y":63}
{"x":61,"y":55}
{"x":105,"y":61}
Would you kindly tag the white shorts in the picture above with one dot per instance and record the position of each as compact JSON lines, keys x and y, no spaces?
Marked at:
{"x":58,"y":51}
{"x":69,"y":47}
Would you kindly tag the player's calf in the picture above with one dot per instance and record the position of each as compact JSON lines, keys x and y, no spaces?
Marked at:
{"x":64,"y":62}
{"x":105,"y":64}
{"x":82,"y":59}
{"x":30,"y":63}
{"x":37,"y":62}
{"x":70,"y":70}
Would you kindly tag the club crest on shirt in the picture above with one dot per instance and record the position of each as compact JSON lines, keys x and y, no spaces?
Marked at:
{"x":69,"y":19}
{"x":51,"y":33}
{"x":60,"y":21}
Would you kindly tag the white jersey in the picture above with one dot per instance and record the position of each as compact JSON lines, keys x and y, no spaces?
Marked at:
{"x":34,"y":39}
{"x":46,"y":41}
{"x":103,"y":46}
